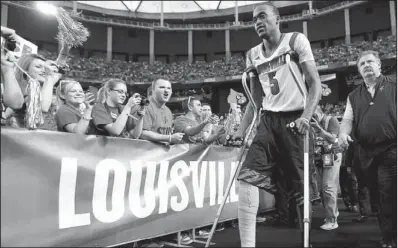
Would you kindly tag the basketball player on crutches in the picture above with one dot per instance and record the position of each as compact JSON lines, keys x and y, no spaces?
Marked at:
{"x":286,"y":100}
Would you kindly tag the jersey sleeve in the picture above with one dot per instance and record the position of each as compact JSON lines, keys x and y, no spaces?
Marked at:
{"x":249,"y":62}
{"x":302,"y":47}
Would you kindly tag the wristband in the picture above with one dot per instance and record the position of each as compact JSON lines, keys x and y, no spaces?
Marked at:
{"x":169,"y":138}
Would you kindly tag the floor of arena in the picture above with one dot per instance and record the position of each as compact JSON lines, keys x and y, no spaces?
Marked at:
{"x":348,"y":234}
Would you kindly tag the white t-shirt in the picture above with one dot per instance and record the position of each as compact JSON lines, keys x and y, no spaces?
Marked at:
{"x":281,"y":92}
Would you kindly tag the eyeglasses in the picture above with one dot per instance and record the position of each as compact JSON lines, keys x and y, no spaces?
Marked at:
{"x":121,"y":92}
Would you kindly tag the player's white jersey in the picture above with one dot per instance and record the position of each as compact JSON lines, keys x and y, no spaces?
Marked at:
{"x":281,"y":92}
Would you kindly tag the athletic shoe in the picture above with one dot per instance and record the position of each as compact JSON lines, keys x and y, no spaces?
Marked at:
{"x":235,"y":224}
{"x":202,"y":234}
{"x":354,"y":209}
{"x":260,"y":219}
{"x":185,"y":239}
{"x":151,"y":243}
{"x":360,"y":219}
{"x":330,"y":224}
{"x":220,"y":227}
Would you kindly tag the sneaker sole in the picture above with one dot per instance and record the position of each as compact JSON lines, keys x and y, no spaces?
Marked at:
{"x":187,"y":243}
{"x":329,"y":229}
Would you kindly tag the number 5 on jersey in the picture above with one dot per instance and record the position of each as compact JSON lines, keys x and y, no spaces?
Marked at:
{"x":273,"y":83}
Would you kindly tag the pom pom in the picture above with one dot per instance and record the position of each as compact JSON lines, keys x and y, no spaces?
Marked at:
{"x":34,"y":115}
{"x":70,"y":32}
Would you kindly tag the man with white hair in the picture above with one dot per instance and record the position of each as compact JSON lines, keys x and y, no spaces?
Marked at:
{"x":371,"y":116}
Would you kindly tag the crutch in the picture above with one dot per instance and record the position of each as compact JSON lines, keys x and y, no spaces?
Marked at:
{"x":240,"y":156}
{"x":306,"y":217}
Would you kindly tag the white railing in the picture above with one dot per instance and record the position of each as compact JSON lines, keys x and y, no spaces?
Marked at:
{"x":205,"y":27}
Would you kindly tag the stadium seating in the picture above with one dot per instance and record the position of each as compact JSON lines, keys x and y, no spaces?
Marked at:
{"x":97,"y":68}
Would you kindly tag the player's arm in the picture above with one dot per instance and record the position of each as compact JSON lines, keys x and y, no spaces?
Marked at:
{"x":346,"y":123}
{"x":306,"y":58}
{"x":257,"y":93}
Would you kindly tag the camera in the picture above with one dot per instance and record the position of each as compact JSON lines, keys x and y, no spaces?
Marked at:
{"x":9,"y":44}
{"x":144,"y":101}
{"x":62,"y":69}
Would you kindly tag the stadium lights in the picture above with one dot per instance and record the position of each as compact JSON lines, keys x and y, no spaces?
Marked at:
{"x":47,"y":8}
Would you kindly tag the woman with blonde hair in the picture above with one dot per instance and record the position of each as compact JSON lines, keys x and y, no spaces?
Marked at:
{"x":69,"y":117}
{"x":111,"y":118}
{"x":37,"y":88}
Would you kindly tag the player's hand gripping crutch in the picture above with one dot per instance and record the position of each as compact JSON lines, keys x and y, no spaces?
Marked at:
{"x":240,"y":156}
{"x":306,"y":217}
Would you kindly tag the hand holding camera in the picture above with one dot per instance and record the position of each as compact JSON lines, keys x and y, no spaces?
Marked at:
{"x":134,"y":100}
{"x":7,"y":61}
{"x":10,"y":38}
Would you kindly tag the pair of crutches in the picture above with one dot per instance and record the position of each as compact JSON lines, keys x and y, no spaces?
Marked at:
{"x":306,"y":219}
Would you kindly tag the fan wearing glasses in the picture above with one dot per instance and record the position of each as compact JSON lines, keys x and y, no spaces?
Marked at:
{"x":192,"y":124}
{"x":111,"y":118}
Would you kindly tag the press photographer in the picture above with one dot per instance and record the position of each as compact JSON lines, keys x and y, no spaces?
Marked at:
{"x":329,"y":161}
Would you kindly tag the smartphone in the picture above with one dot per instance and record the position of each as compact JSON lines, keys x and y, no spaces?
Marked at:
{"x":93,"y":91}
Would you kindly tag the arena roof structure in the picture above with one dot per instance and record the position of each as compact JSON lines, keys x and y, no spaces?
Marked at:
{"x":168,"y":6}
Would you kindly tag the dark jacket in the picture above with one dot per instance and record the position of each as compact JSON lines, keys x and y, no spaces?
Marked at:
{"x":375,"y":119}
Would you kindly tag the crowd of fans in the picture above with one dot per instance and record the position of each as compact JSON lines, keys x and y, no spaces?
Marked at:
{"x":113,"y":112}
{"x":336,"y":110}
{"x":97,"y":67}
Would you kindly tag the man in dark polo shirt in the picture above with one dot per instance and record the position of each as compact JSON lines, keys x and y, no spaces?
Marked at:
{"x":158,"y":120}
{"x":371,"y":115}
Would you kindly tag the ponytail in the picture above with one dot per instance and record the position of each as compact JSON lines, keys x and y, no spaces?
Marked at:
{"x":108,"y":85}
